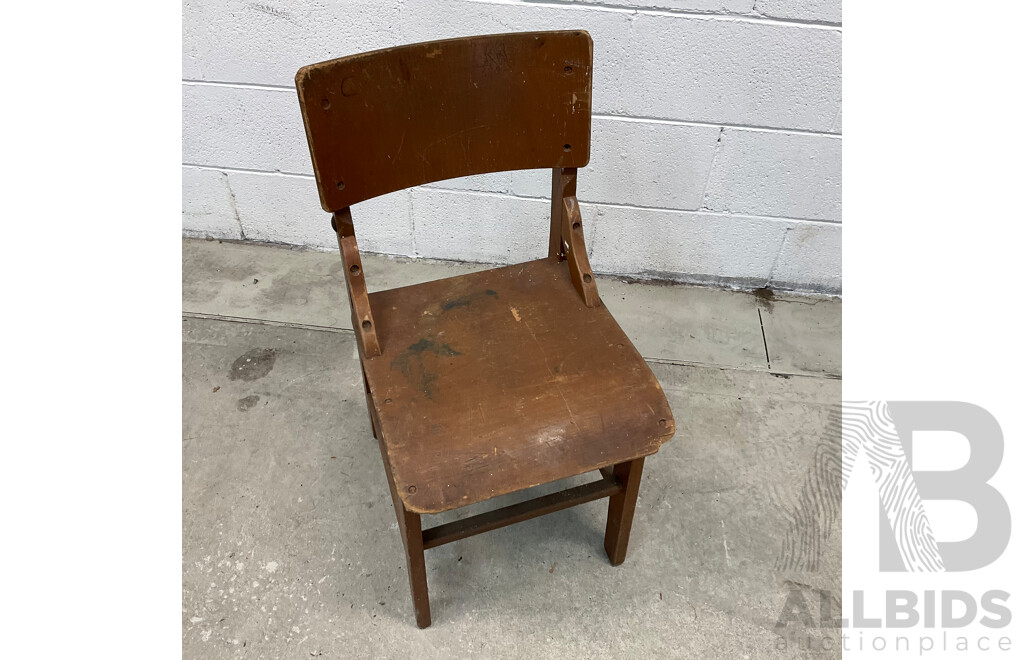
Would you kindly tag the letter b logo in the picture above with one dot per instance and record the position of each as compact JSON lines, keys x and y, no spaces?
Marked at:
{"x":967,"y":484}
{"x":884,"y":431}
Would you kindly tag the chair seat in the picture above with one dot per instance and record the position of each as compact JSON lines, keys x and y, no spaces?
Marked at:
{"x":501,"y":380}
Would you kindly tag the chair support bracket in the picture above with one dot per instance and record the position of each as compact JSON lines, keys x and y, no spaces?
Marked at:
{"x":355,"y":282}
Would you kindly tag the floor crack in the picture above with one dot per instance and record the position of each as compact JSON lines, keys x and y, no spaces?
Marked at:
{"x":765,"y":340}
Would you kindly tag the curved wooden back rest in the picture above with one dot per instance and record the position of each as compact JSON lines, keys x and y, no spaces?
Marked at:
{"x":390,"y":119}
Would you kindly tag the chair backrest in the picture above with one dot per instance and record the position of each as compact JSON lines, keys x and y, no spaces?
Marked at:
{"x":400,"y":117}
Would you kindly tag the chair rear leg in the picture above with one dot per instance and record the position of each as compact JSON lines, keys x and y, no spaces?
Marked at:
{"x":369,"y":405}
{"x":620,"y":510}
{"x":412,"y":539}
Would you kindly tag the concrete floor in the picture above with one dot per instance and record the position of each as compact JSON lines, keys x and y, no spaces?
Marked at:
{"x":290,"y":544}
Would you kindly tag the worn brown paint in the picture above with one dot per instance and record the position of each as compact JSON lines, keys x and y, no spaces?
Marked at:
{"x":484,"y":403}
{"x":497,"y":381}
{"x":620,"y":509}
{"x":400,"y":117}
{"x":362,"y":316}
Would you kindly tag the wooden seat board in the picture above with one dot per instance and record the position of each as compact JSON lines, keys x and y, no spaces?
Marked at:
{"x":496,"y":381}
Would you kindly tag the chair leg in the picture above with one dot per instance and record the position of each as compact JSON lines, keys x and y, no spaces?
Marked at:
{"x":621,"y":508}
{"x":412,"y":539}
{"x":411,"y":528}
{"x":369,"y":405}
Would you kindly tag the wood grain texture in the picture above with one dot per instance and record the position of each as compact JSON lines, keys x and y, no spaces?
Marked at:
{"x":496,"y":381}
{"x":390,"y":119}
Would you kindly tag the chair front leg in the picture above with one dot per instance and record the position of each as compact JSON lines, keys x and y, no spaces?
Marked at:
{"x":620,"y":510}
{"x":412,"y":538}
{"x":411,"y":528}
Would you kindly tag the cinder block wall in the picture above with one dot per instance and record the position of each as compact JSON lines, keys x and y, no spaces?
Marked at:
{"x":716,"y":136}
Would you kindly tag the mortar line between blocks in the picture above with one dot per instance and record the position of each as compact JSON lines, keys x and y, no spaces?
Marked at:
{"x":640,"y":119}
{"x":247,"y":170}
{"x":753,"y":128}
{"x":546,"y":200}
{"x":637,"y":207}
{"x":698,"y":15}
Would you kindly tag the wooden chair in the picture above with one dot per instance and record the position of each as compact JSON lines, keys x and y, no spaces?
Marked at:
{"x":493,"y":382}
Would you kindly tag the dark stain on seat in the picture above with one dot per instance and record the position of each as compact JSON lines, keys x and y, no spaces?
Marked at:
{"x":465,"y":301}
{"x":412,"y":365}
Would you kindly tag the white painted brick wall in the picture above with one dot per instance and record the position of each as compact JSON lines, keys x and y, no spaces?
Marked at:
{"x":776,"y":174}
{"x":716,"y":149}
{"x":823,"y":11}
